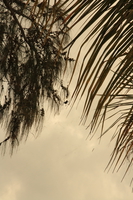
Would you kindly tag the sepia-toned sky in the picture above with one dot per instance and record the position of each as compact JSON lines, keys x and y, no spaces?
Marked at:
{"x":62,"y":164}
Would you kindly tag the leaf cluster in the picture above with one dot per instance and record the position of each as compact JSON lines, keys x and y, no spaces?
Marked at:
{"x":31,"y":65}
{"x":106,"y":74}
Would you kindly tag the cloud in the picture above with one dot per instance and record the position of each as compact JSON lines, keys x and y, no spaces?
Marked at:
{"x":62,"y":164}
{"x":10,"y":189}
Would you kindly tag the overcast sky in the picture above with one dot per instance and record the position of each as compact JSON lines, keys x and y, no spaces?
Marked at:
{"x":62,"y":165}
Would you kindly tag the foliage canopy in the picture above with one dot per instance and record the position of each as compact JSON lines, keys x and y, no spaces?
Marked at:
{"x":31,"y":64}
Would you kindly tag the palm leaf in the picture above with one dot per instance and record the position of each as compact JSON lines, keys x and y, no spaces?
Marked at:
{"x":109,"y":29}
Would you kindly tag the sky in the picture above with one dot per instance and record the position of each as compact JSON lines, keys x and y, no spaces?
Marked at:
{"x":63,"y":164}
{"x":60,"y":164}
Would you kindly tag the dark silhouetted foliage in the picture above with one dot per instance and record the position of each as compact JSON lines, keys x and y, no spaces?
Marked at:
{"x":31,"y":64}
{"x":106,"y":73}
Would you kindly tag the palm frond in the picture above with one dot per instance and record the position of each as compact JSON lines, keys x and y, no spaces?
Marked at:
{"x":109,"y":35}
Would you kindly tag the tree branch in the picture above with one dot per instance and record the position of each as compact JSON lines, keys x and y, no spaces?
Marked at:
{"x":5,"y":140}
{"x":15,"y":18}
